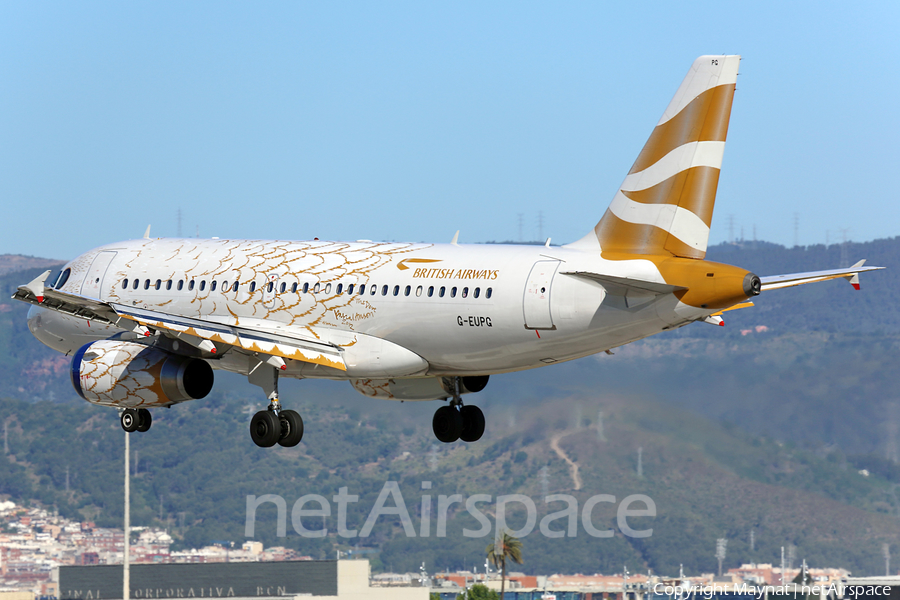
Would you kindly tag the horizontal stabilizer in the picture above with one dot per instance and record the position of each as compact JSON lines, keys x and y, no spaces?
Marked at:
{"x":774,"y":282}
{"x":622,"y":286}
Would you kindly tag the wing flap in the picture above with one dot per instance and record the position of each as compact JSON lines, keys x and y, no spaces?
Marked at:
{"x":263,"y":342}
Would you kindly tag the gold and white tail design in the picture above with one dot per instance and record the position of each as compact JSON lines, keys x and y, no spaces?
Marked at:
{"x":665,"y":204}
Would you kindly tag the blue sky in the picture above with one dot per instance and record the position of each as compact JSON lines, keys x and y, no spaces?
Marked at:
{"x":408,"y":121}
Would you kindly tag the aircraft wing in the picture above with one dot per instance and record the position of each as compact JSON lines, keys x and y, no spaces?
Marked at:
{"x":204,"y":334}
{"x":851,"y":274}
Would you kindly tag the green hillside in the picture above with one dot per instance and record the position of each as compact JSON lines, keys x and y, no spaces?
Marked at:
{"x":707,"y":480}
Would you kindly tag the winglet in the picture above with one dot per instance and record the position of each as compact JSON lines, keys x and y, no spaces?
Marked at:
{"x":854,"y":279}
{"x":455,"y":238}
{"x":36,"y":286}
{"x":147,"y":233}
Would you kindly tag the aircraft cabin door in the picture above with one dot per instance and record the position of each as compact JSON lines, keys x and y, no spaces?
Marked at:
{"x":270,"y":290}
{"x":93,"y":281}
{"x":536,"y":302}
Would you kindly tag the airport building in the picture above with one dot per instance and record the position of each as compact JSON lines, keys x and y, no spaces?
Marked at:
{"x":325,"y":579}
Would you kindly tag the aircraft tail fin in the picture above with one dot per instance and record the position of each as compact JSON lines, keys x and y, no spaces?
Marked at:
{"x":665,"y":204}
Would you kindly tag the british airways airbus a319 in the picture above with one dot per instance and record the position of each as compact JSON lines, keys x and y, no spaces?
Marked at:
{"x":148,"y":321}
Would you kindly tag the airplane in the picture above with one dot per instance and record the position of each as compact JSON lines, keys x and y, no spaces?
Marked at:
{"x":147,"y":321}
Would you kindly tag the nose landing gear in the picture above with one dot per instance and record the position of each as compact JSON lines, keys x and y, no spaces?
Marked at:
{"x":135,"y":419}
{"x":458,"y":422}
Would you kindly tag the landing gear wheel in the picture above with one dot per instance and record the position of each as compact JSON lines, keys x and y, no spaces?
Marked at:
{"x":145,"y":419}
{"x":291,"y":428}
{"x":130,"y":420}
{"x":472,"y":423}
{"x":447,"y":424}
{"x":265,"y":428}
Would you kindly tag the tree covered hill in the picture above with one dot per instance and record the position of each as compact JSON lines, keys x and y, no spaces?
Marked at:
{"x":707,"y":480}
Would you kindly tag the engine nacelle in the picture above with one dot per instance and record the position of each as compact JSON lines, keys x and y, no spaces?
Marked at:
{"x":117,"y":373}
{"x":419,"y":388}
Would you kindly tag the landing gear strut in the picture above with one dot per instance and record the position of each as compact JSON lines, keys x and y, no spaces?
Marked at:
{"x":135,"y":419}
{"x":458,"y":422}
{"x":274,"y":425}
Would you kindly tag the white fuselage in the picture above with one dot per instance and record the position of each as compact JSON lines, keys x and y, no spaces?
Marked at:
{"x":464,"y":309}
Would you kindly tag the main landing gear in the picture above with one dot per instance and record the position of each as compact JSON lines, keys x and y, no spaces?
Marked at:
{"x":458,"y":422}
{"x":136,"y":419}
{"x":274,"y":425}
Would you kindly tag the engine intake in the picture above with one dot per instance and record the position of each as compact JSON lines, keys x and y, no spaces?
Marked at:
{"x":117,"y":373}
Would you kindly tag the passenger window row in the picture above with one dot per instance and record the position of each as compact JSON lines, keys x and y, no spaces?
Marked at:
{"x":349,"y":289}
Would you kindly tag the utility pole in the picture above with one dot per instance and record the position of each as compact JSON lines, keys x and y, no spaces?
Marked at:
{"x":126,"y":567}
{"x":845,"y":260}
{"x":521,"y":219}
{"x":886,"y":552}
{"x":540,"y":225}
{"x":782,"y":565}
{"x":640,"y":464}
{"x":721,"y":545}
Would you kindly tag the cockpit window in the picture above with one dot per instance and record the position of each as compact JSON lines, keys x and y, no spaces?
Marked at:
{"x":63,"y":278}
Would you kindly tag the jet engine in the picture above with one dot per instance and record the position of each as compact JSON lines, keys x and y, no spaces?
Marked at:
{"x":126,"y":374}
{"x":418,"y":388}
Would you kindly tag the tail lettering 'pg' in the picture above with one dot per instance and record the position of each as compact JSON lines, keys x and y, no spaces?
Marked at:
{"x":665,"y":204}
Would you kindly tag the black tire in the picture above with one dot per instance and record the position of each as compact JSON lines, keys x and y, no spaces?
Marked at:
{"x":265,"y":429}
{"x":447,"y":424}
{"x":129,"y":420}
{"x":473,"y":423}
{"x":145,"y":420}
{"x":291,"y":428}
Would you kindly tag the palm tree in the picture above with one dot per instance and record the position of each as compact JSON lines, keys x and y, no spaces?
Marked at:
{"x":506,"y":546}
